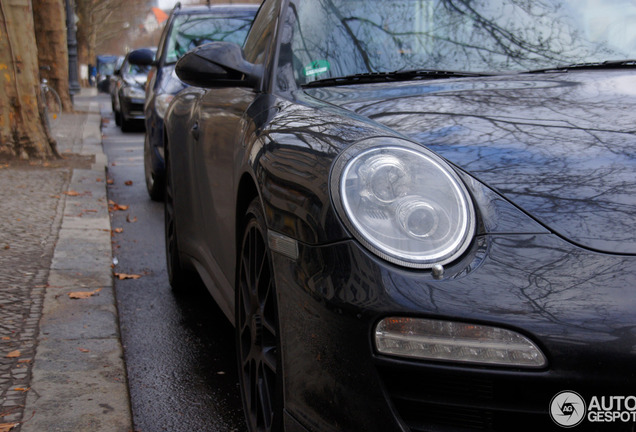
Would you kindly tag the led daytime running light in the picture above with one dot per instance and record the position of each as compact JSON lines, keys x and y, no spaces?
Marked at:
{"x":451,"y":341}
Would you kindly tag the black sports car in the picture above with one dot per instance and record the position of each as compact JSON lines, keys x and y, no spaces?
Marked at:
{"x":420,"y":215}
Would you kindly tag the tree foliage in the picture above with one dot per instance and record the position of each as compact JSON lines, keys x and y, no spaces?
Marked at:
{"x":101,"y":21}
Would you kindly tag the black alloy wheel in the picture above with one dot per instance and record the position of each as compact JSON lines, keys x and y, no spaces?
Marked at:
{"x":179,"y":277}
{"x":257,"y":331}
{"x":154,"y":183}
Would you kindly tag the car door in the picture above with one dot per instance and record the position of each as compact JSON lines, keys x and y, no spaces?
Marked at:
{"x":218,"y":144}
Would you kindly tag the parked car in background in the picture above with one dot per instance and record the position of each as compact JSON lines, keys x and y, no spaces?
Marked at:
{"x":129,"y":91}
{"x":106,"y":66}
{"x":419,"y":215}
{"x":186,"y":28}
{"x":113,"y":80}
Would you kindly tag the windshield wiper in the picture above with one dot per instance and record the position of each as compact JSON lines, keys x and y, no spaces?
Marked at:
{"x":373,"y":77}
{"x":610,"y":64}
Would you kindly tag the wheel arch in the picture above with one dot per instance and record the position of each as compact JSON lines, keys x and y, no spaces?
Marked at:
{"x":245,"y":193}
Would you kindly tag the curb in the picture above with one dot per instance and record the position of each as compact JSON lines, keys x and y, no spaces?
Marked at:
{"x":78,"y":378}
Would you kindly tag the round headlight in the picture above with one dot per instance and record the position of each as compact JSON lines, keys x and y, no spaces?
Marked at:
{"x":403,"y":202}
{"x":161,"y":103}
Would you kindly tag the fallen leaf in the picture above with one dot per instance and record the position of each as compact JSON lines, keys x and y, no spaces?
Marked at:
{"x":13,"y":354}
{"x":76,"y":295}
{"x":131,"y":220}
{"x":99,"y":180}
{"x":6,"y":338}
{"x":110,"y":181}
{"x":119,"y":207}
{"x":128,"y":183}
{"x":84,"y":350}
{"x":123,"y":276}
{"x":6,"y":427}
{"x":71,"y":193}
{"x":22,"y":389}
{"x":118,"y":230}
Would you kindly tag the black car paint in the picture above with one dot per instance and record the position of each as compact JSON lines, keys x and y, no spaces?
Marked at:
{"x":291,"y":166}
{"x":523,"y":136}
{"x":523,"y":271}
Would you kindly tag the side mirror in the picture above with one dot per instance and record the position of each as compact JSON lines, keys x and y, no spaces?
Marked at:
{"x":217,"y":64}
{"x":141,"y":57}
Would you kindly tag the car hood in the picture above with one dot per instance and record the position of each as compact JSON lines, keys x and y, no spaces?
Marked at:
{"x":560,"y":146}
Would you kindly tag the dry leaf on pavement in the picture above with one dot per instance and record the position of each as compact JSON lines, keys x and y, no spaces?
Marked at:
{"x":113,"y":206}
{"x":123,"y":276}
{"x":6,"y":427}
{"x":13,"y":354}
{"x":83,"y":294}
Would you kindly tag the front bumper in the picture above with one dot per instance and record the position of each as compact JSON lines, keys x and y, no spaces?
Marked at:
{"x":132,"y":108}
{"x":577,"y":305}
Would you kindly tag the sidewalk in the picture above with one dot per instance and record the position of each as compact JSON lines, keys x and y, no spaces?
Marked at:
{"x":61,"y":360}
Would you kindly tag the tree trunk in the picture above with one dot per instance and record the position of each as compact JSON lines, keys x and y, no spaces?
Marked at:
{"x":23,"y":131}
{"x":49,"y":17}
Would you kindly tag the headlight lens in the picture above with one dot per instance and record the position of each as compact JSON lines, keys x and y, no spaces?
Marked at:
{"x":161,"y":103}
{"x":403,"y":202}
{"x":134,"y":92}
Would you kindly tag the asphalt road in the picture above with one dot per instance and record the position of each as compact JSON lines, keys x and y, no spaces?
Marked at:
{"x":179,"y":351}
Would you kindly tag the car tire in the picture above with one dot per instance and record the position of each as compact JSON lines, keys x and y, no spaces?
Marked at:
{"x":257,"y":328}
{"x":126,"y":125}
{"x":154,"y":182}
{"x":181,"y":278}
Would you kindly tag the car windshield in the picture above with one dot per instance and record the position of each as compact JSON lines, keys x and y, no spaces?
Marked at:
{"x":190,"y":31}
{"x":131,"y":69}
{"x":335,"y":38}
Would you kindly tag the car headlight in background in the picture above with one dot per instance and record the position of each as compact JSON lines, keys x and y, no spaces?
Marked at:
{"x":403,"y":202}
{"x":134,"y":92}
{"x":428,"y":339}
{"x":161,"y":103}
